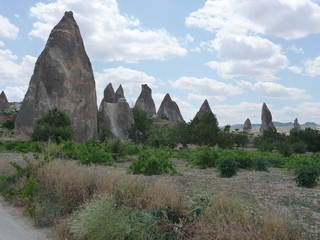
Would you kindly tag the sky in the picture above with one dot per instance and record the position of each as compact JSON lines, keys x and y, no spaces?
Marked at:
{"x":237,"y":54}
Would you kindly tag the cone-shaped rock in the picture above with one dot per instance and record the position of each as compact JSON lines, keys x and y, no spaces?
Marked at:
{"x":62,"y":78}
{"x":170,"y":108}
{"x":108,"y":94}
{"x":247,"y":126}
{"x":115,"y":117}
{"x":119,"y":94}
{"x":4,"y":104}
{"x":204,"y":108}
{"x":296,"y":124}
{"x":266,"y":119}
{"x":145,"y":101}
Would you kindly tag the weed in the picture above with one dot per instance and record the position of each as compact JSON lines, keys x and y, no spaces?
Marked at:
{"x":307,"y":175}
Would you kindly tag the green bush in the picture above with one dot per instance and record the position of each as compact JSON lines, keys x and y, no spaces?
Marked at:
{"x":22,"y":146}
{"x":307,"y":175}
{"x":261,"y":164}
{"x":88,"y":152}
{"x":102,"y":219}
{"x":55,"y":126}
{"x":244,"y":159}
{"x":205,"y":157}
{"x":296,"y":160}
{"x":9,"y":124}
{"x":299,"y":147}
{"x":227,"y":167}
{"x":151,"y":162}
{"x":161,"y":137}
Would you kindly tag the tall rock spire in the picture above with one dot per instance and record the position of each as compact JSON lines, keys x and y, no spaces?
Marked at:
{"x":170,"y":108}
{"x":4,"y":104}
{"x":266,"y":119}
{"x":204,"y":108}
{"x":145,"y":101}
{"x":62,"y":78}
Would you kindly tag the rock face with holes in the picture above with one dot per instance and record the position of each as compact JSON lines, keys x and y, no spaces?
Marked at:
{"x":266,"y":119}
{"x":62,"y":78}
{"x":247,"y":126}
{"x":115,"y":115}
{"x":170,"y":109}
{"x":4,"y":104}
{"x":204,"y":108}
{"x":145,"y":101}
{"x":296,"y":124}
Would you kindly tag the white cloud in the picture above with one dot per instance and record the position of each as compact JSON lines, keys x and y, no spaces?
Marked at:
{"x":16,"y":93}
{"x":206,"y":86}
{"x":312,"y":67}
{"x":275,"y":91}
{"x":282,"y":18}
{"x":189,"y":38}
{"x":7,"y":29}
{"x":130,"y":80}
{"x":248,"y":56}
{"x":12,"y":72}
{"x":293,"y":48}
{"x":238,"y":113}
{"x":197,"y":49}
{"x":295,"y":69}
{"x":108,"y":36}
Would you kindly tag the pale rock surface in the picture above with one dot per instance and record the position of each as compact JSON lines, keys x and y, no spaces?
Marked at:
{"x":62,"y":78}
{"x":296,"y":124}
{"x":204,"y":108}
{"x":145,"y":101}
{"x":4,"y":104}
{"x":115,"y":114}
{"x":247,"y":125}
{"x":266,"y":119}
{"x":170,"y":108}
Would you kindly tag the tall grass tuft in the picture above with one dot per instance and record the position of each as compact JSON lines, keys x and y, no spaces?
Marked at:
{"x":224,"y":219}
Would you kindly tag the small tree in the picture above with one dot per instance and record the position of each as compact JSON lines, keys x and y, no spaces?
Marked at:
{"x":142,"y":123}
{"x":55,"y":126}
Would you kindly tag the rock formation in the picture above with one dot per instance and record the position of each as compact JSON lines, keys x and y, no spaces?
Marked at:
{"x":266,"y":119}
{"x":115,"y":115}
{"x":296,"y":124}
{"x":204,"y":108}
{"x":62,"y":78}
{"x":145,"y":101}
{"x":170,"y":108}
{"x":247,"y":126}
{"x":4,"y":104}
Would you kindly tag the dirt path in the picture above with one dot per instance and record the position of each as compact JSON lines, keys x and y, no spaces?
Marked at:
{"x":14,"y":226}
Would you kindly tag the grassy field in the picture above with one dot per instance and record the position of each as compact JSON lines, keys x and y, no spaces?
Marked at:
{"x":250,"y":205}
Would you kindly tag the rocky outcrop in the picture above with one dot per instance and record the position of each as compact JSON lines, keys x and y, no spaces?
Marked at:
{"x":145,"y":101}
{"x":62,"y":78}
{"x":296,"y":125}
{"x":4,"y":104}
{"x":247,"y":127}
{"x":115,"y":115}
{"x":170,"y":108}
{"x":266,"y":119}
{"x":204,"y":108}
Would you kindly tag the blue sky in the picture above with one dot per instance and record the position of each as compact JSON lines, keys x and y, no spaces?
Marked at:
{"x":235,"y":53}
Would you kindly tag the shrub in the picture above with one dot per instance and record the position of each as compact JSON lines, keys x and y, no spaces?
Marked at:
{"x":307,"y":175}
{"x":244,"y":159}
{"x":161,"y":137}
{"x":227,"y":167}
{"x":299,"y":147}
{"x":261,"y":165}
{"x":88,"y":152}
{"x":152,"y":162}
{"x":101,"y":219}
{"x":9,"y":124}
{"x":55,"y":126}
{"x":205,"y":157}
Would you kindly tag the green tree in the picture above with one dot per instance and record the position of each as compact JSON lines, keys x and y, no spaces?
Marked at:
{"x":138,"y":131}
{"x":204,"y":129}
{"x":161,"y":137}
{"x":55,"y":126}
{"x":182,"y":133}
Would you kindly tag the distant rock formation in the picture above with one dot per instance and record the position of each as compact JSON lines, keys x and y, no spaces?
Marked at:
{"x":62,"y":78}
{"x":145,"y":101}
{"x":115,"y":115}
{"x":204,"y":108}
{"x":247,"y":126}
{"x":170,"y":108}
{"x":296,"y":124}
{"x":266,"y":119}
{"x":4,"y":104}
